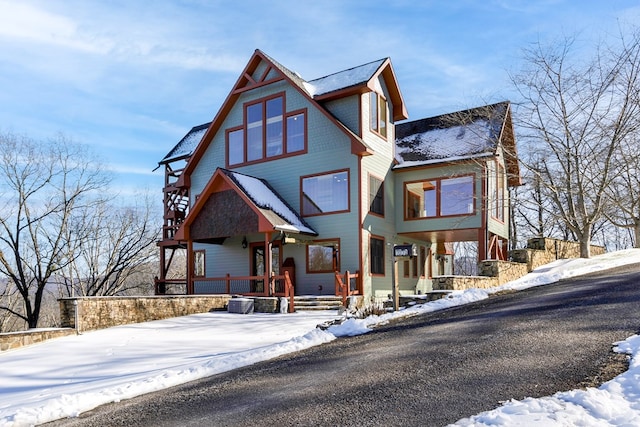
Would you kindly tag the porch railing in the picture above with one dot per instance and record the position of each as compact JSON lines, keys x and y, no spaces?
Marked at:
{"x":347,"y":285}
{"x":277,"y":286}
{"x":170,"y":287}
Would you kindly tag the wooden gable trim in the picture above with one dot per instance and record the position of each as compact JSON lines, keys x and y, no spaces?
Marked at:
{"x":508,"y":142}
{"x":399,"y":106}
{"x":219,"y":182}
{"x":358,"y":146}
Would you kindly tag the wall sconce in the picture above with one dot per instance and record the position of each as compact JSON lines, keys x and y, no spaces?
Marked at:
{"x":244,"y":242}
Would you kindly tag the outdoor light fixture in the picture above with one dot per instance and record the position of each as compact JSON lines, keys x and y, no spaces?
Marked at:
{"x":244,"y":242}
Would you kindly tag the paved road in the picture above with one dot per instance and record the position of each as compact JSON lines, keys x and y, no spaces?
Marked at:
{"x":430,"y":370}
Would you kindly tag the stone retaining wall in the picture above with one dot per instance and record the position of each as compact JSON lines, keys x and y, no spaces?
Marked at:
{"x":543,"y":250}
{"x":532,"y":258}
{"x":561,"y":249}
{"x":503,"y":271}
{"x":540,"y":251}
{"x":12,"y":340}
{"x":105,"y":312}
{"x":460,"y":283}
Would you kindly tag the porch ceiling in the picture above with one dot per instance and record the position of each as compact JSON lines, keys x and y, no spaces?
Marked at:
{"x":441,"y":236}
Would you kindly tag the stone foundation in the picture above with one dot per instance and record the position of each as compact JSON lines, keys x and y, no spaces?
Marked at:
{"x":12,"y":340}
{"x":105,"y":312}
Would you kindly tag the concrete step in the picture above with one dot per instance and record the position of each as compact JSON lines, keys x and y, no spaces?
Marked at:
{"x":317,"y":302}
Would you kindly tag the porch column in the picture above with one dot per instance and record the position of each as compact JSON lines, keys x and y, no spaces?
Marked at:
{"x":482,"y":244}
{"x":190,"y":288}
{"x":267,"y":264}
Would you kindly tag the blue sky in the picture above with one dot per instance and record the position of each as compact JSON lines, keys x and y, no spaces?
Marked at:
{"x":131,"y":77}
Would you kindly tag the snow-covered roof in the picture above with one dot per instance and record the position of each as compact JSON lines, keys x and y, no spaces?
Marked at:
{"x":187,"y":144}
{"x":343,"y":79}
{"x":272,"y":206}
{"x":456,"y":136}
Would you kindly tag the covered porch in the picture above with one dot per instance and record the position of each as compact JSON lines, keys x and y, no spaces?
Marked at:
{"x":242,"y":238}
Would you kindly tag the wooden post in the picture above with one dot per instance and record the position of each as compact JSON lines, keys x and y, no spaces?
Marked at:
{"x":396,"y":296}
{"x":267,"y":264}
{"x":289,"y":291}
{"x":190,"y":287}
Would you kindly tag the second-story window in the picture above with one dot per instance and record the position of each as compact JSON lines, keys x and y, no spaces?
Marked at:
{"x":440,"y":197}
{"x":325,"y":193}
{"x":378,"y":114}
{"x":267,"y":132}
{"x":376,"y":195}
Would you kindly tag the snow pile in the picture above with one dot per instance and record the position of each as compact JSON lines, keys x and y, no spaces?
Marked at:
{"x":616,"y":402}
{"x":67,"y":376}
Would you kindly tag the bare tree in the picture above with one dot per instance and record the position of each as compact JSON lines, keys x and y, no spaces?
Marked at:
{"x":624,"y":192}
{"x":575,"y":115}
{"x":10,"y":298}
{"x":115,"y":246}
{"x":42,"y":185}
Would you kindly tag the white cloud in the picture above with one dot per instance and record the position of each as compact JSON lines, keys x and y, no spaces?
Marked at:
{"x":20,"y":20}
{"x":155,"y":43}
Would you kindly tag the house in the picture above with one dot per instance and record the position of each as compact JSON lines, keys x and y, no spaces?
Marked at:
{"x":311,"y":184}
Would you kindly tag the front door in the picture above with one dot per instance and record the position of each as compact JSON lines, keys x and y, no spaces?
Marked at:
{"x":257,"y":264}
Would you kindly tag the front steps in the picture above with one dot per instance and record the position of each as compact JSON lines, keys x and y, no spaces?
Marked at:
{"x":317,"y":302}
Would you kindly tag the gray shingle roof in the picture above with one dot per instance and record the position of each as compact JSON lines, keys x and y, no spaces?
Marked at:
{"x":344,"y":79}
{"x":454,"y":136}
{"x":187,"y":144}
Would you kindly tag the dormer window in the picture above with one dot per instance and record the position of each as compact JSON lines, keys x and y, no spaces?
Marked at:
{"x":267,"y":133}
{"x":378,"y":114}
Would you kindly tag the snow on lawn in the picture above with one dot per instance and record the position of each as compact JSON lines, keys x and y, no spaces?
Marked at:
{"x":67,"y":376}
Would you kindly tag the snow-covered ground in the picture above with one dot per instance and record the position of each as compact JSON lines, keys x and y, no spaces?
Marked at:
{"x":67,"y":376}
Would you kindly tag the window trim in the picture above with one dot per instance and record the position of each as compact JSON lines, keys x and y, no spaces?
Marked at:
{"x":380,"y":113}
{"x":438,"y":189}
{"x":336,"y":245}
{"x":371,"y":254}
{"x":380,"y":190}
{"x":286,"y":115}
{"x":302,"y":178}
{"x":497,"y":212}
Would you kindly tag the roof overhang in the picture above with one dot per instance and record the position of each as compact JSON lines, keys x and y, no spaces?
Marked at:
{"x":269,"y":219}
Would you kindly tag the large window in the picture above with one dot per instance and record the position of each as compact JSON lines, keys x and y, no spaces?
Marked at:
{"x":267,"y":132}
{"x":378,"y":114}
{"x":327,"y":193}
{"x":376,"y":255}
{"x":323,"y":257}
{"x":376,"y":195}
{"x":440,"y":197}
{"x":235,"y":145}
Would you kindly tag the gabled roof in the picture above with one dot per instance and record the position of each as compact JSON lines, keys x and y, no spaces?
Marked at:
{"x":270,"y":204}
{"x":354,"y":80}
{"x":463,"y":135}
{"x":360,"y":79}
{"x":273,"y":212}
{"x":187,"y":144}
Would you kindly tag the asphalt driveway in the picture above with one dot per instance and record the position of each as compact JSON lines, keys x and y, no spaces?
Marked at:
{"x":429,"y":370}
